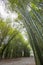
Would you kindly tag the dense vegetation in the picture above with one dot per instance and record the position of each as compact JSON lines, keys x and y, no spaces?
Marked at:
{"x":33,"y":20}
{"x":30,"y":12}
{"x":12,"y":43}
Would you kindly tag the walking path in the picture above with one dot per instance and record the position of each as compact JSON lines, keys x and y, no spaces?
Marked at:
{"x":19,"y":61}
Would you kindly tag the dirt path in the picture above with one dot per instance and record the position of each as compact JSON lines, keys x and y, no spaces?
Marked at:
{"x":20,"y":61}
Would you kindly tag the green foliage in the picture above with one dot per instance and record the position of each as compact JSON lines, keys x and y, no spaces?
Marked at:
{"x":14,"y":45}
{"x":33,"y":20}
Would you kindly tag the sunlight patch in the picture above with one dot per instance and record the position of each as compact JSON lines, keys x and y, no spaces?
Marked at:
{"x":4,"y":13}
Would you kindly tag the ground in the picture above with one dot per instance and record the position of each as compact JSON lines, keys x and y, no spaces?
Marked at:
{"x":18,"y":61}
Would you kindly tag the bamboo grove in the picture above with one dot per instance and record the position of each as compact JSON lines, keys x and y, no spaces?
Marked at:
{"x":30,"y":12}
{"x":33,"y":21}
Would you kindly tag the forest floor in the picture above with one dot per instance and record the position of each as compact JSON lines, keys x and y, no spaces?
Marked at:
{"x":18,"y":61}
